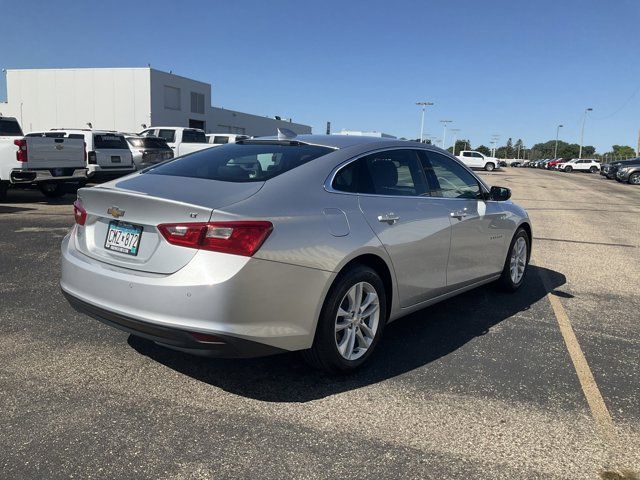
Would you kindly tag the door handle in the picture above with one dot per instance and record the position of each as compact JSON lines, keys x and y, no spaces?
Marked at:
{"x":460,"y":214}
{"x":389,"y":218}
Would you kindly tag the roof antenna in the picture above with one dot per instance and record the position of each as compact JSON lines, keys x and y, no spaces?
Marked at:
{"x":286,"y":134}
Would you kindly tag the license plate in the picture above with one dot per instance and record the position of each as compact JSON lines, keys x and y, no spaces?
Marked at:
{"x":123,"y":237}
{"x":115,"y":159}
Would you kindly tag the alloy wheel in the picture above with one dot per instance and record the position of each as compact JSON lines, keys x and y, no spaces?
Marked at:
{"x":518,"y":260}
{"x":357,"y":321}
{"x":635,"y":179}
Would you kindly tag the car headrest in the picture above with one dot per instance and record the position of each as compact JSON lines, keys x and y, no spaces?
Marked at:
{"x":384,"y":173}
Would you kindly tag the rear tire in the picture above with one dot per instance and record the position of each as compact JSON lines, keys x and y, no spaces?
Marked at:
{"x":52,"y":189}
{"x":568,"y":169}
{"x":593,"y":169}
{"x":489,"y":167}
{"x":517,"y":262}
{"x":349,"y":329}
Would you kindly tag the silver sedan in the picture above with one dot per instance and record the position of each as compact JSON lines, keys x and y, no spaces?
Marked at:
{"x":309,"y":243}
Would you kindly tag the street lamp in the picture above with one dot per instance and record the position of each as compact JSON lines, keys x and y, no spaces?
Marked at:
{"x":555,"y":151}
{"x":455,"y":137}
{"x":424,"y":105}
{"x":584,"y":119}
{"x":495,"y":138}
{"x":444,"y":134}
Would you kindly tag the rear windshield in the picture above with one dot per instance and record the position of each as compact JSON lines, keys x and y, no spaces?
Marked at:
{"x":193,"y":136}
{"x":109,"y":141}
{"x":149,"y":142}
{"x":9,"y":128}
{"x":241,"y":163}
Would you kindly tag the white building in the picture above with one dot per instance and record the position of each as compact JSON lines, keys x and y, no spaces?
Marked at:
{"x":123,"y":99}
{"x":365,"y":133}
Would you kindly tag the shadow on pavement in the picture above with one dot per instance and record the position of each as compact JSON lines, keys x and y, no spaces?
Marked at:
{"x":407,"y":344}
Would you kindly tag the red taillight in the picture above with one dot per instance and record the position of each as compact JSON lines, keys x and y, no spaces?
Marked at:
{"x":21,"y":154}
{"x":238,"y":238}
{"x":79,"y":212}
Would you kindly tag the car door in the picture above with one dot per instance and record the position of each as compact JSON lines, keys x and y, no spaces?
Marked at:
{"x":480,"y":230}
{"x":412,"y":226}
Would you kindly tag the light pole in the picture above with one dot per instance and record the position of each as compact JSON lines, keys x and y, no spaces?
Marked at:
{"x":455,"y":137}
{"x":555,"y":151}
{"x":424,"y":106}
{"x":444,"y":134}
{"x":495,"y":138}
{"x":584,"y":120}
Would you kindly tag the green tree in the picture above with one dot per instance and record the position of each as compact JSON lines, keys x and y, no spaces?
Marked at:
{"x":622,"y":151}
{"x":508,"y":153}
{"x":483,"y":150}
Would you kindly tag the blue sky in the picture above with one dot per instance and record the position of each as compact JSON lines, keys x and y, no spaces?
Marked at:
{"x":514,"y":68}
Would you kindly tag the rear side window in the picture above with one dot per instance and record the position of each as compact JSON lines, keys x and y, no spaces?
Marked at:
{"x":220,"y":139}
{"x":193,"y":136}
{"x":109,"y":141}
{"x":392,"y":172}
{"x":9,"y":128}
{"x":241,"y":162}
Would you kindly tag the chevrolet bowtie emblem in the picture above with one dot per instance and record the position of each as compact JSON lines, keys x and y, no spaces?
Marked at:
{"x":115,"y":212}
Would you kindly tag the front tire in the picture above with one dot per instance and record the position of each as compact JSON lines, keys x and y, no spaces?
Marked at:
{"x":634,"y":179}
{"x":351,"y":322}
{"x":489,"y":167}
{"x":517,"y":262}
{"x":52,"y":189}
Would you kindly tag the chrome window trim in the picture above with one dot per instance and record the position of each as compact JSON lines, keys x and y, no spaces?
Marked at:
{"x":328,"y":184}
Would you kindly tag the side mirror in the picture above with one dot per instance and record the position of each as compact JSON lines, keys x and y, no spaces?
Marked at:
{"x":499,"y":194}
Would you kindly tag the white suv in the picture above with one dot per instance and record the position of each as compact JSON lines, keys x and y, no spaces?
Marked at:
{"x":588,"y":165}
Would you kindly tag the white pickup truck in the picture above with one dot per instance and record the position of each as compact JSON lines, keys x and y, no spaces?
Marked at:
{"x":181,"y":140}
{"x":48,"y":160}
{"x":473,"y":159}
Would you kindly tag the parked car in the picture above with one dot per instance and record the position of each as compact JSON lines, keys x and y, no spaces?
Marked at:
{"x":224,"y":138}
{"x":610,"y":170}
{"x":474,"y":159}
{"x":629,"y":173}
{"x":108,"y":153}
{"x":516,"y":163}
{"x":180,"y":140}
{"x":148,"y":151}
{"x":580,"y":165}
{"x":553,"y":164}
{"x":315,"y":248}
{"x":49,"y":161}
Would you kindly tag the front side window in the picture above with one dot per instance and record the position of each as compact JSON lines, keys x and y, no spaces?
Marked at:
{"x":454,"y":180}
{"x":168,"y":135}
{"x":392,"y":172}
{"x":256,"y":162}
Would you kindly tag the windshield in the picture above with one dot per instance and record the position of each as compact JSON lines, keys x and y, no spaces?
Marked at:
{"x":241,"y":163}
{"x":109,"y":141}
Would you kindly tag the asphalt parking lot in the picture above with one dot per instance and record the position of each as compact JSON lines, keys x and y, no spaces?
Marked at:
{"x":543,"y":383}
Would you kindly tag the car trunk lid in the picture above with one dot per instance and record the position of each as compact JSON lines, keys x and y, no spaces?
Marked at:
{"x":144,"y":201}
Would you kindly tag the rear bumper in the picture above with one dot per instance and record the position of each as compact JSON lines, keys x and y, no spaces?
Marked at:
{"x":34,"y":175}
{"x":246,"y":301}
{"x":97,"y":171}
{"x":227,"y":347}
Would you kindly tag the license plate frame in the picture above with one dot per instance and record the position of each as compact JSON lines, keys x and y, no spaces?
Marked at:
{"x":111,"y":243}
